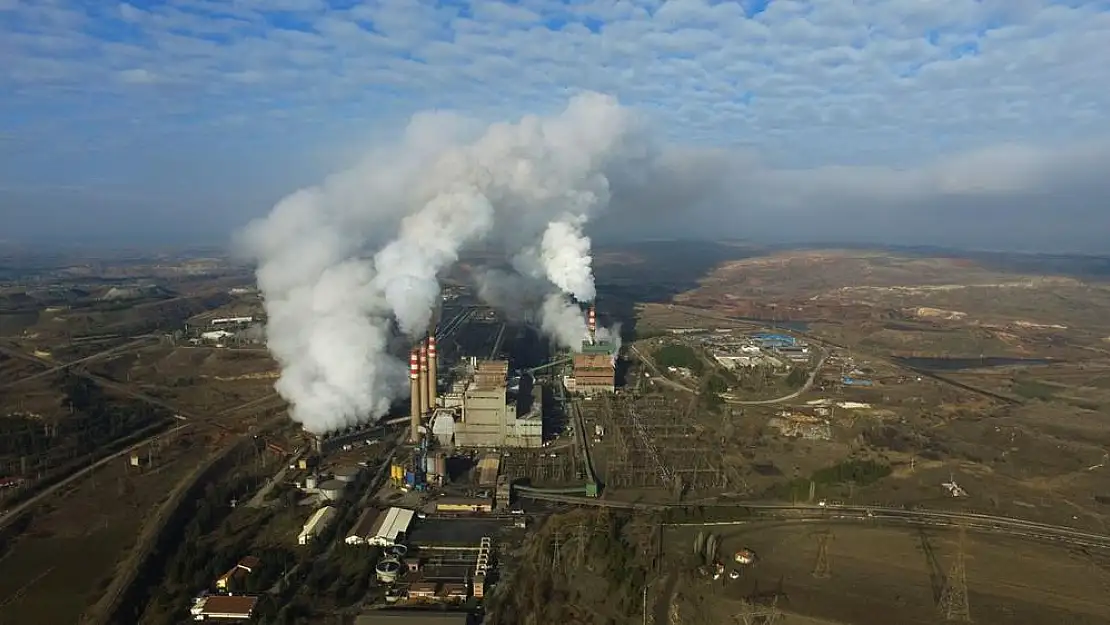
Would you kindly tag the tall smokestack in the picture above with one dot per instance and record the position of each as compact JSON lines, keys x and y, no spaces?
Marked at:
{"x":433,"y":371}
{"x":414,"y":387}
{"x":592,"y":324}
{"x":424,"y":405}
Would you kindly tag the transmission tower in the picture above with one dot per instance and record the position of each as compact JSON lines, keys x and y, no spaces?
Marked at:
{"x":556,"y":557}
{"x":821,"y":568}
{"x":759,"y":614}
{"x":953,"y":600}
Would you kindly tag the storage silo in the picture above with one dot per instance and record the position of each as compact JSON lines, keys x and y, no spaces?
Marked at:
{"x":430,"y":464}
{"x":387,"y":570}
{"x":332,"y":490}
{"x":347,"y":474}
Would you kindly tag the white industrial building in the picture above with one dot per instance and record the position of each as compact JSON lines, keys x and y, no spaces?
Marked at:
{"x":316,"y":524}
{"x":390,"y":526}
{"x":223,"y":321}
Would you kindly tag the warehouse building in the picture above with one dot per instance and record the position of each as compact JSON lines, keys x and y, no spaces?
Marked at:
{"x":237,"y":573}
{"x":365,"y":528}
{"x":224,"y":608}
{"x":316,"y":524}
{"x":390,"y":527}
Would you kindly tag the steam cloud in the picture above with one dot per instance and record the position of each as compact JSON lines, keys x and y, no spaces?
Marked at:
{"x":348,"y":266}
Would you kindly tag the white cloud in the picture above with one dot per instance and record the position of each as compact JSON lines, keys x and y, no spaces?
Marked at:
{"x":824,"y":88}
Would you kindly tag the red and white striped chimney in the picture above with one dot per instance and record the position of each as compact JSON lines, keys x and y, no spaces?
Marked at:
{"x":591,"y":324}
{"x":423,"y":385}
{"x":414,"y":406}
{"x":433,"y":370}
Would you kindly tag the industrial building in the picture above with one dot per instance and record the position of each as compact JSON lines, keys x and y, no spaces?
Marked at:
{"x":223,"y":607}
{"x":365,"y":528}
{"x":488,"y":468}
{"x":455,"y":505}
{"x":594,"y":368}
{"x":316,"y":525}
{"x":389,"y":527}
{"x":237,"y":573}
{"x":480,"y":410}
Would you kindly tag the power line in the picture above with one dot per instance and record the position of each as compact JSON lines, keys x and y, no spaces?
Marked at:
{"x":954,"y":606}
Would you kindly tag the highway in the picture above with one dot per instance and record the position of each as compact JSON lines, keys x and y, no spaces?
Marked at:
{"x":867,"y":514}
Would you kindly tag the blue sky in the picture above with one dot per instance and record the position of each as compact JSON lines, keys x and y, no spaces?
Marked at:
{"x":191,"y":116}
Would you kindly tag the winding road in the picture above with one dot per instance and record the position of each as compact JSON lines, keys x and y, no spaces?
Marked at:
{"x":778,"y":400}
{"x":734,"y":402}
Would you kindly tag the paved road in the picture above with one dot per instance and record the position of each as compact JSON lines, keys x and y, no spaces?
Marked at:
{"x":659,"y":377}
{"x":13,"y":513}
{"x":56,"y":367}
{"x":778,"y":400}
{"x":737,"y":402}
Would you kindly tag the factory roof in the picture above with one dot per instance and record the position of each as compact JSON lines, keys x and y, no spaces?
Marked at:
{"x":321,"y":516}
{"x":598,"y":347}
{"x":366,"y":526}
{"x":412,"y":617}
{"x":221,"y":606}
{"x":393,"y":523}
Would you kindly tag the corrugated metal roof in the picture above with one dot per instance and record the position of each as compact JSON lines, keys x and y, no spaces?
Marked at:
{"x":323,"y":515}
{"x":230,"y":605}
{"x":397,"y":520}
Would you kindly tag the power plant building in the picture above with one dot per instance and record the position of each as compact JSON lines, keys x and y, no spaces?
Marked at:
{"x":594,"y":369}
{"x":491,"y":416}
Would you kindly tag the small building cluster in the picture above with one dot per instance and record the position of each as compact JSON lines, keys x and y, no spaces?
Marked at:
{"x":777,"y":351}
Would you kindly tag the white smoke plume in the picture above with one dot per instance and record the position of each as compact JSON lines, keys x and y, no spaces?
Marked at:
{"x":344,"y":266}
{"x":533,"y":300}
{"x":566,"y":258}
{"x":518,"y":297}
{"x":611,"y":334}
{"x":563,"y":321}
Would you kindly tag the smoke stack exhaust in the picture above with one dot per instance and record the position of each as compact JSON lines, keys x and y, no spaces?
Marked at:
{"x":414,"y":386}
{"x":592,"y":324}
{"x":433,"y":371}
{"x":424,"y":405}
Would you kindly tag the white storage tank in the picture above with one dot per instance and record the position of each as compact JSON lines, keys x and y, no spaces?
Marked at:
{"x":347,"y":474}
{"x":332,"y":490}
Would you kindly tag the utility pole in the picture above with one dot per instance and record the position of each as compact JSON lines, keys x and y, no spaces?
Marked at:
{"x":954,"y":605}
{"x":822,"y":569}
{"x":555,"y":556}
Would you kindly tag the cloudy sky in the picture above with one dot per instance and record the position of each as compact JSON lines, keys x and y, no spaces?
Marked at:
{"x":964,"y":122}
